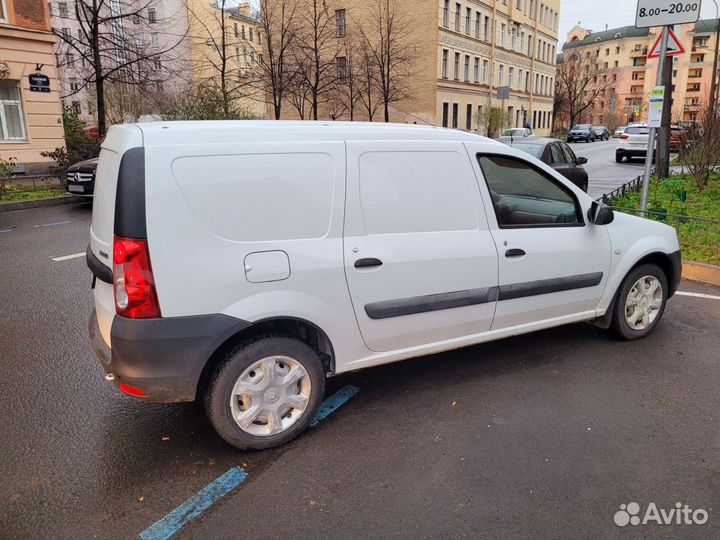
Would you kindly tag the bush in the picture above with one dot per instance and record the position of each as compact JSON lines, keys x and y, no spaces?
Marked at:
{"x":78,"y":144}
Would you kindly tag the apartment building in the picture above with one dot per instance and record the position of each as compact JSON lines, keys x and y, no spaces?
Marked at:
{"x":151,"y":26}
{"x":623,"y":53}
{"x":30,"y":113}
{"x":242,"y":45}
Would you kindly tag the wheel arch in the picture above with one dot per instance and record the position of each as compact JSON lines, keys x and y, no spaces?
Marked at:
{"x":305,"y":331}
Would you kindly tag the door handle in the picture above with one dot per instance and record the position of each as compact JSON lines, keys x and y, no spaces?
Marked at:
{"x":368,"y":263}
{"x":514,"y":253}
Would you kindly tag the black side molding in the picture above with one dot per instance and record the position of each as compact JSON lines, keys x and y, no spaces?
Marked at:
{"x":97,"y":267}
{"x":430,"y":302}
{"x":547,"y":286}
{"x":130,"y":195}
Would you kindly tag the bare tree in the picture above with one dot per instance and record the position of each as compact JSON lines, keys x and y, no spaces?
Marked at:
{"x":298,"y":92}
{"x":579,"y":82}
{"x":277,"y":28}
{"x":701,"y":148}
{"x":108,"y":53}
{"x":223,"y":64}
{"x":391,"y":50}
{"x":368,"y":83}
{"x":346,"y":94}
{"x":316,"y":48}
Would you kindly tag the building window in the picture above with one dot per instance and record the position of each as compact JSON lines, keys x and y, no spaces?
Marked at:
{"x":476,"y":70}
{"x":75,"y":106}
{"x":457,"y":17}
{"x":69,"y":59}
{"x":136,"y":18}
{"x":11,"y":114}
{"x":445,"y":64}
{"x":477,"y":25}
{"x":341,"y":67}
{"x":455,"y":116}
{"x":235,"y":30}
{"x":456,"y":72}
{"x":445,"y":115}
{"x":468,"y":117}
{"x":152,"y":16}
{"x":485,"y":72}
{"x":511,"y":76}
{"x":503,"y":30}
{"x":486,"y":29}
{"x":63,"y":9}
{"x":501,"y":75}
{"x":467,"y":68}
{"x":468,"y":14}
{"x":479,"y":117}
{"x":340,"y":27}
{"x":66,"y":34}
{"x":154,"y":39}
{"x":74,"y":84}
{"x":2,"y":10}
{"x":156,"y":63}
{"x":242,"y":31}
{"x":446,"y":15}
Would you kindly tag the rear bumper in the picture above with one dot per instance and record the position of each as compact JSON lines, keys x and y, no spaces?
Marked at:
{"x":579,"y":137}
{"x":632,"y":152}
{"x":162,"y":357}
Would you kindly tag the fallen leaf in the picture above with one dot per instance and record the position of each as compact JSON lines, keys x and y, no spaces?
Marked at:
{"x":141,"y":499}
{"x":166,"y":438}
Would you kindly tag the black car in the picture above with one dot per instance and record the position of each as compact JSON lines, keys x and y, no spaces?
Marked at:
{"x":81,"y":177}
{"x":581,"y":132}
{"x":557,"y":154}
{"x":602,"y":133}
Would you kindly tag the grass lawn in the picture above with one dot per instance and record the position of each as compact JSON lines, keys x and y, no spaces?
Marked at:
{"x":700,"y":239}
{"x":13,"y":195}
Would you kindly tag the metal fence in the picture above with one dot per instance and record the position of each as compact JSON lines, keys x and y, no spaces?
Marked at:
{"x":628,"y":187}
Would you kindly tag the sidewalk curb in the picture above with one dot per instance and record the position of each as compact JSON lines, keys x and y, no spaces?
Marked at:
{"x":41,"y":203}
{"x":704,"y":273}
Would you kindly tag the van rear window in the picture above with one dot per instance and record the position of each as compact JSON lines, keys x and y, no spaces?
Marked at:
{"x":260,"y":197}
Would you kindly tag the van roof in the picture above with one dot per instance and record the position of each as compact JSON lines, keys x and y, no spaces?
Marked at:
{"x":223,"y":131}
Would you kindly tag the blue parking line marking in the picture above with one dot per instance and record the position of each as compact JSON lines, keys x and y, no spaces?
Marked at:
{"x":333,"y":403}
{"x":53,"y":224}
{"x":195,"y":505}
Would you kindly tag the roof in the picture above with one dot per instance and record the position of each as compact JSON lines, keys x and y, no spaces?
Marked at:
{"x":224,"y":131}
{"x":608,"y":35}
{"x":706,"y":25}
{"x":528,"y":140}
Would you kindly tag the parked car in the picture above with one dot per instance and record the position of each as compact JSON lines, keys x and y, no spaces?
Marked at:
{"x":581,"y":132}
{"x":678,"y":138}
{"x":517,"y":132}
{"x":80,"y":177}
{"x":601,"y":132}
{"x":632,"y":143}
{"x":619,"y":131}
{"x":245,"y":262}
{"x":558,"y":155}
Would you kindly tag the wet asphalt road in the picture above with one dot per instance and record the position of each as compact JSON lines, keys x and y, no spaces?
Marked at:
{"x":538,"y":436}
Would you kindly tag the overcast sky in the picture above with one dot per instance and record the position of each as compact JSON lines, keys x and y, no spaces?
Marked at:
{"x":595,"y":14}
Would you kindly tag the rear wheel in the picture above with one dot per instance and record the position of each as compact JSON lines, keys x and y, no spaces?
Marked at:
{"x":265,"y":392}
{"x":618,"y":158}
{"x":640,"y":303}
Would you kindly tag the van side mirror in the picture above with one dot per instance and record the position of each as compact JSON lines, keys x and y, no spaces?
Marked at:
{"x":599,"y":214}
{"x":581,"y":160}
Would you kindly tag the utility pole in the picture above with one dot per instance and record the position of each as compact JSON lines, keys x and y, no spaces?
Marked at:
{"x":662,"y":154}
{"x":714,"y":85}
{"x":651,"y":141}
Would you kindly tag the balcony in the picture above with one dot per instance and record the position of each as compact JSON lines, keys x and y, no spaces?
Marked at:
{"x":692,"y":106}
{"x":639,"y":52}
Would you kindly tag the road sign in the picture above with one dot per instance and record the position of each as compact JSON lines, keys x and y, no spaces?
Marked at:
{"x":503,"y":92}
{"x":657,"y":98}
{"x":664,"y":12}
{"x":674,"y":47}
{"x":39,"y":82}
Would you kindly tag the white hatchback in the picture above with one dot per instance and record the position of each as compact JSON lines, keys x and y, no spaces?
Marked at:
{"x":245,"y":262}
{"x":632,"y":143}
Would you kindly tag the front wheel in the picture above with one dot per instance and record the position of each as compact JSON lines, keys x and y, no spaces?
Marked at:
{"x":640,"y":303}
{"x":265,"y":392}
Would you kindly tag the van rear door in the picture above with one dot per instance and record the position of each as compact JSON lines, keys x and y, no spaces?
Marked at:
{"x":119,"y":139}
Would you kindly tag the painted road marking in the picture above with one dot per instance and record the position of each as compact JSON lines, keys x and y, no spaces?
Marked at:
{"x":53,"y":224}
{"x":68,"y":257}
{"x":214,"y":491}
{"x":195,"y":505}
{"x":333,"y":403}
{"x":698,"y":295}
{"x":5,"y":230}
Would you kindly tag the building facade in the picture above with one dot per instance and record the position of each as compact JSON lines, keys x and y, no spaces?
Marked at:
{"x":623,"y":53}
{"x":151,"y":26}
{"x":242,"y":46}
{"x":30,"y":112}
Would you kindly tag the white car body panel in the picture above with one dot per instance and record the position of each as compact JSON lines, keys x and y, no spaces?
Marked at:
{"x":220,"y":244}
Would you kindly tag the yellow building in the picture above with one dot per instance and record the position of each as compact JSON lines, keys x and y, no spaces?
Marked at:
{"x":623,"y":52}
{"x":30,"y":111}
{"x":242,"y":46}
{"x":465,"y":51}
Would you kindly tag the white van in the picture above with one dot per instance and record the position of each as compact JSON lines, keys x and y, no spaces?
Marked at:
{"x":245,"y":262}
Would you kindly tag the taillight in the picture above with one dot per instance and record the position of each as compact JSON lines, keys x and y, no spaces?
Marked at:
{"x":623,"y":136}
{"x":135,"y":295}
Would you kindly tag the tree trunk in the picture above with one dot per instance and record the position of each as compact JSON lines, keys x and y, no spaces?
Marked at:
{"x":662,"y":156}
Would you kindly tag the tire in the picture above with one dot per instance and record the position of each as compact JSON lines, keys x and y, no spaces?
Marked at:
{"x":626,"y":310}
{"x":281,"y":352}
{"x":618,"y":158}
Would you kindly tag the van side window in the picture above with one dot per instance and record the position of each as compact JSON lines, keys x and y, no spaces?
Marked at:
{"x":525,"y":197}
{"x":409,"y":192}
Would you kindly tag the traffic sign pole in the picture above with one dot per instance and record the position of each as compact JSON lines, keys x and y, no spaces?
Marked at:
{"x":651,"y":138}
